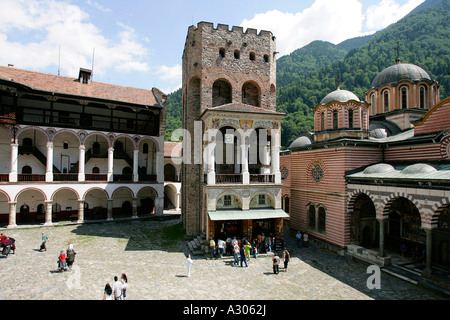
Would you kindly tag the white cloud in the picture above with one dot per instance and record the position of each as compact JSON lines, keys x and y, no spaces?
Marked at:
{"x":328,"y":20}
{"x":387,"y":12}
{"x":53,"y":25}
{"x":169,"y":73}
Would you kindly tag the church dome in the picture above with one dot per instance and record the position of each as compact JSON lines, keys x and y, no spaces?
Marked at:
{"x":400,"y":72}
{"x":379,"y":168}
{"x":419,"y":168}
{"x":339,"y":96}
{"x":300,"y":142}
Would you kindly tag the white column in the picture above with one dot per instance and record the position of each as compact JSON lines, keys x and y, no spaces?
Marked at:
{"x":135,"y":165}
{"x":49,"y":170}
{"x":12,"y":215}
{"x":275,"y":156}
{"x":159,"y":205}
{"x":14,"y":162}
{"x":210,"y":165}
{"x":177,"y":201}
{"x":81,"y":163}
{"x":134,"y":214}
{"x":48,"y":213}
{"x":80,"y":211}
{"x":244,"y":163}
{"x":110,"y":176}
{"x":160,"y":166}
{"x":110,"y":209}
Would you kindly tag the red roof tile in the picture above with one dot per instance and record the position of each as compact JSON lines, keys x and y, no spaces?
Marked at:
{"x":71,"y":86}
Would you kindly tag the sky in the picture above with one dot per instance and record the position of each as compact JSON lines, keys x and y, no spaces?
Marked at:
{"x":139,"y":43}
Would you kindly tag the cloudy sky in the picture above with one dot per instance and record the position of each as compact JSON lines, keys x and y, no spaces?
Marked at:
{"x":139,"y":43}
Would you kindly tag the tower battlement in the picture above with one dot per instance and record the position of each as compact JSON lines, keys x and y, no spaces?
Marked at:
{"x":235,"y":29}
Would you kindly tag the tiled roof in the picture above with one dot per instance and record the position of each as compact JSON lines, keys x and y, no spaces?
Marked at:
{"x":71,"y":86}
{"x":169,"y":146}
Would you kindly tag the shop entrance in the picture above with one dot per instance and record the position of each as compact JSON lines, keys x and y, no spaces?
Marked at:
{"x":266,"y":227}
{"x":228,"y":229}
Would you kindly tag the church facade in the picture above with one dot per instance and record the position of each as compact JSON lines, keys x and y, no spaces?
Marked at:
{"x":375,"y":173}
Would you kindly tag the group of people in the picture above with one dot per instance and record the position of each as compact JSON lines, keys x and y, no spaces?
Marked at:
{"x":260,"y":244}
{"x":66,"y":259}
{"x":286,"y":256}
{"x":8,"y":245}
{"x":302,"y":239}
{"x":118,"y":291}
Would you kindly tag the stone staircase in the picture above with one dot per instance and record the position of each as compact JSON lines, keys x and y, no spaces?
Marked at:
{"x":198,"y":245}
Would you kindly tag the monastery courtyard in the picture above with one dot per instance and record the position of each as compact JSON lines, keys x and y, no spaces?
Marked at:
{"x":151,"y":254}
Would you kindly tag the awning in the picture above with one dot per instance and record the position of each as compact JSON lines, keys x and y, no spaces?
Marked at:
{"x":254,"y":214}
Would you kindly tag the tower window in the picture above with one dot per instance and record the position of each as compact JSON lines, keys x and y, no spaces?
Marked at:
{"x":266,"y":58}
{"x":404,"y":98}
{"x":221,"y":53}
{"x":335,"y":119}
{"x":350,"y":119}
{"x":252,"y":56}
{"x":237,"y":54}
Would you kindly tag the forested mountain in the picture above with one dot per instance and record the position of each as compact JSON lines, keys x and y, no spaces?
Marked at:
{"x":308,"y":74}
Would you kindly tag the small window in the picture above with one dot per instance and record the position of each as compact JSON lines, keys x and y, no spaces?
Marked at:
{"x":65,"y":145}
{"x":252,"y":56}
{"x":386,"y":100}
{"x":322,"y":121}
{"x":237,"y":54}
{"x":335,"y":119}
{"x":422,"y":101}
{"x":145,"y":148}
{"x":350,"y":119}
{"x":221,"y":53}
{"x":373,"y":104}
{"x":266,"y":58}
{"x":227,"y":200}
{"x":404,"y":98}
{"x":262,"y":199}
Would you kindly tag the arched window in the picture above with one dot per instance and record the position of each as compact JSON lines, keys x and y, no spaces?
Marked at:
{"x":221,"y":93}
{"x":422,"y":97}
{"x":335,"y":119}
{"x":250,"y":94}
{"x":404,"y":97}
{"x":373,"y":104}
{"x":27,"y":170}
{"x":311,"y":217}
{"x":266,"y":58}
{"x":322,"y":121}
{"x":350,"y":118}
{"x":385,"y":95}
{"x":322,"y":216}
{"x":221,"y":53}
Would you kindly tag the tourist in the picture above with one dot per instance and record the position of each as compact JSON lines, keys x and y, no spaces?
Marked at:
{"x":236,"y":254}
{"x":189,"y":265}
{"x":212,"y":246}
{"x":286,"y":257}
{"x":44,"y":242}
{"x":247,"y":248}
{"x":62,"y":264}
{"x":70,"y":258}
{"x":107,"y":292}
{"x":299,"y":239}
{"x":70,"y":246}
{"x":221,"y":246}
{"x":124,"y":280}
{"x":256,"y":252}
{"x":243,"y":257}
{"x":117,"y":288}
{"x":276,"y":263}
{"x":305,"y":239}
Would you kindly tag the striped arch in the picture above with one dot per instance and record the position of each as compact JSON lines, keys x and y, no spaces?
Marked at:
{"x":393,"y":196}
{"x":351,"y":199}
{"x":437,"y":209}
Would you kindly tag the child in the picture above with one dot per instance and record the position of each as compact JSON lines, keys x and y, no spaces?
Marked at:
{"x":256,"y":252}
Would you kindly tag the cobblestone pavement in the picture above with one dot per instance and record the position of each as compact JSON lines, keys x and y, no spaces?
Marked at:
{"x":156,"y":268}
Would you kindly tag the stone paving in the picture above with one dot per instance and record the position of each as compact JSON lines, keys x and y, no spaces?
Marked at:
{"x":154,"y":261}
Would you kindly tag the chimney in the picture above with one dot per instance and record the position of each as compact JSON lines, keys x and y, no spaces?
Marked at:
{"x":85,"y":76}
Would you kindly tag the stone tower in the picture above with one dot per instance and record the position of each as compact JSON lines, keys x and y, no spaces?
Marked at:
{"x":229,"y":92}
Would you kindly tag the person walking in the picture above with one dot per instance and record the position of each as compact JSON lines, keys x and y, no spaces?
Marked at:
{"x":299,"y":239}
{"x":276,"y":263}
{"x":124,"y":280}
{"x":189,"y":265}
{"x":236,"y":254}
{"x":117,"y":288}
{"x":243,"y":257}
{"x":247,"y":247}
{"x":70,"y":258}
{"x":286,"y":258}
{"x":44,"y":242}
